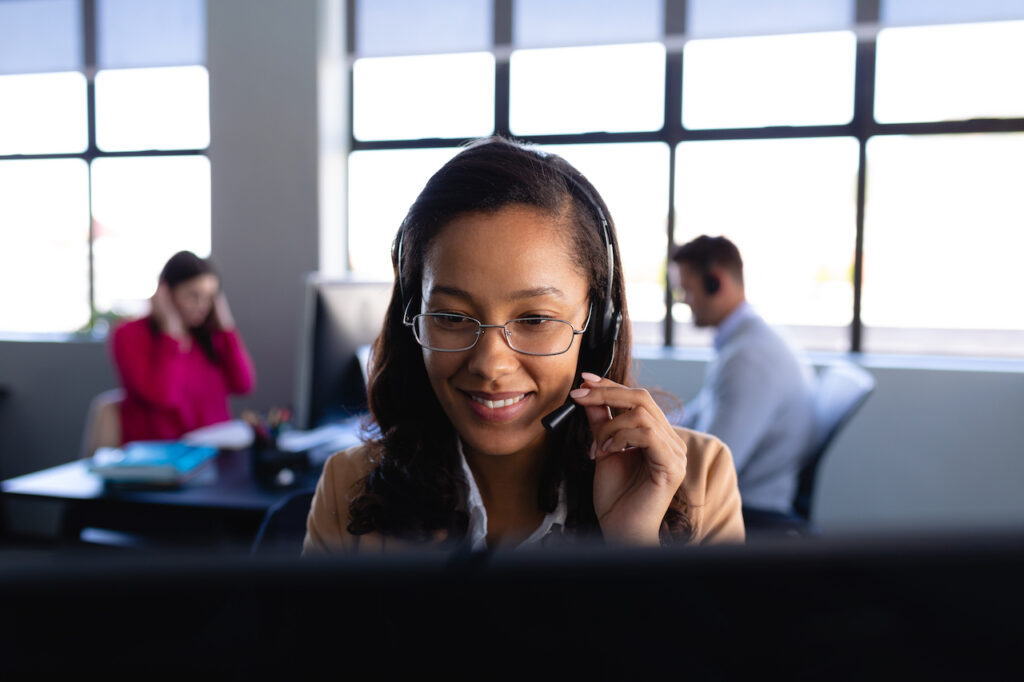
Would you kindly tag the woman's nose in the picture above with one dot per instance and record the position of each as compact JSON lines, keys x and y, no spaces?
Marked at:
{"x":492,"y":356}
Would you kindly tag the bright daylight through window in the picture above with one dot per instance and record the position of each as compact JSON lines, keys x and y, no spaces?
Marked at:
{"x":858,"y":152}
{"x":93,"y":203}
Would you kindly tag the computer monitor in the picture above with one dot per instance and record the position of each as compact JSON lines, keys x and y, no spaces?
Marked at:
{"x":341,"y":318}
{"x":903,"y":608}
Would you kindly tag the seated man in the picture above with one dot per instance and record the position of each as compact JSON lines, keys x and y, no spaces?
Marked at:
{"x":757,"y":394}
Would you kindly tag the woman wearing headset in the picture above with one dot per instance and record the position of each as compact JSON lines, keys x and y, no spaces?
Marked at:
{"x":509,"y":305}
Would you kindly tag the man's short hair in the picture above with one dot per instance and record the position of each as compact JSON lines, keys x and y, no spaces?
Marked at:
{"x":706,"y":252}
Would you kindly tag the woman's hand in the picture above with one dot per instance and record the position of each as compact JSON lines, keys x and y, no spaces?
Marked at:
{"x":222,"y":318}
{"x":166,"y":314}
{"x":640,"y":459}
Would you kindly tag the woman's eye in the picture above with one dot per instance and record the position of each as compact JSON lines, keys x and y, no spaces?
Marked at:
{"x":451,"y":321}
{"x":537,"y":325}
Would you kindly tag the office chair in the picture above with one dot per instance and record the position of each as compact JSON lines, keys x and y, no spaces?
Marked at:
{"x":840,"y":390}
{"x":284,"y":526}
{"x":102,"y":422}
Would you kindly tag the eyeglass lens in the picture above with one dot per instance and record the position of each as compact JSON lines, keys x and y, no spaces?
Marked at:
{"x":535,"y":335}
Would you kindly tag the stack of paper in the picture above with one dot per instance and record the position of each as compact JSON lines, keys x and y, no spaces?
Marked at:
{"x":230,"y":435}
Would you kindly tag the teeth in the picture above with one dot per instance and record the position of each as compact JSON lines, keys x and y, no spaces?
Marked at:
{"x":498,"y":403}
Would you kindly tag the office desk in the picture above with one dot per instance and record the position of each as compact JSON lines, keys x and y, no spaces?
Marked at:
{"x":221,"y":507}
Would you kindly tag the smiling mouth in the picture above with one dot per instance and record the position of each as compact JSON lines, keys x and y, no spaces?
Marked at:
{"x":494,"y":404}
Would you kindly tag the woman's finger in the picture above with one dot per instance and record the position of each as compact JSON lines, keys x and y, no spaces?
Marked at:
{"x":636,"y":419}
{"x":625,"y":439}
{"x":663,"y":462}
{"x":614,"y":396}
{"x":597,"y":414}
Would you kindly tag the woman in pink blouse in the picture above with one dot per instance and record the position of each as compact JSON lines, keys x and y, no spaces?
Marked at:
{"x":179,"y":364}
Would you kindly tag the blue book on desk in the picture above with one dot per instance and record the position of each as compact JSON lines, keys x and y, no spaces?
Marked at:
{"x":159,"y":462}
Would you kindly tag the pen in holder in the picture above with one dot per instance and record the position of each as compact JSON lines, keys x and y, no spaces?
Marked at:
{"x":270,"y":465}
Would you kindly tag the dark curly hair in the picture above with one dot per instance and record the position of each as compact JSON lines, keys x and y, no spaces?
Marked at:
{"x":413,"y":490}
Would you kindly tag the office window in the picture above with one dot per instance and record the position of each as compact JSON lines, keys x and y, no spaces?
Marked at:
{"x":946,"y":73}
{"x":714,"y":18}
{"x":561,"y":23}
{"x":40,"y":36}
{"x":133,"y":34}
{"x":613,"y":88}
{"x":790,"y":206}
{"x":919,"y":12}
{"x":769,"y":81}
{"x":145,"y":209}
{"x":448,"y":96}
{"x":943,"y":238}
{"x":44,"y":264}
{"x":633,"y":180}
{"x":43,"y":113}
{"x":810,"y":131}
{"x":143,"y":70}
{"x":382,"y":186}
{"x":164,"y":108}
{"x":385,"y":28}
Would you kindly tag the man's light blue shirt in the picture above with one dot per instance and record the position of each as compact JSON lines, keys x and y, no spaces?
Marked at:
{"x":731,"y":323}
{"x":757,"y":398}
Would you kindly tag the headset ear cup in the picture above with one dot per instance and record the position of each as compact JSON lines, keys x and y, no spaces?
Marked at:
{"x":712,"y":284}
{"x":603,"y":330}
{"x":595,"y":335}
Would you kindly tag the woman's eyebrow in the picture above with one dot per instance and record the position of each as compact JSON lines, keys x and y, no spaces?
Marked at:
{"x":535,"y":292}
{"x":454,"y":292}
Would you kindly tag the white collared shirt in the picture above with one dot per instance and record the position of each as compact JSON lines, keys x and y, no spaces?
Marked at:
{"x":551,"y":526}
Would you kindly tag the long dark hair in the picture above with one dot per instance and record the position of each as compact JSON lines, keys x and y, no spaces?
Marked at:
{"x":413,"y":491}
{"x":180,"y":268}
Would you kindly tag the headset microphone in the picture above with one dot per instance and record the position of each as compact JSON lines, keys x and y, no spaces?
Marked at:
{"x":553,"y":420}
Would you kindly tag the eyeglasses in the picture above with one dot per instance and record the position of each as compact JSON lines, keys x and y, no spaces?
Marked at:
{"x":449,"y":333}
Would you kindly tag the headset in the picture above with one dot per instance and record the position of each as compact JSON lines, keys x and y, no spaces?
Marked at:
{"x":609,"y":316}
{"x":711,"y":283}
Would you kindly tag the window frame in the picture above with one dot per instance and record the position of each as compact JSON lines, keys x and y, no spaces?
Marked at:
{"x":89,"y":69}
{"x":862,"y":126}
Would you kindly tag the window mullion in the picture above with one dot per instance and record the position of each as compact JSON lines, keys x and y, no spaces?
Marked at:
{"x":502,"y":48}
{"x":89,"y":62}
{"x":863,"y":120}
{"x":672,"y":135}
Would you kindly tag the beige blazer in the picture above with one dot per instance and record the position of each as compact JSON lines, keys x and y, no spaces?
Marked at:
{"x":709,"y":489}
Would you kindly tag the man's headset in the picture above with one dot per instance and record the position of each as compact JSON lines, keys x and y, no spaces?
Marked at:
{"x":712,"y":284}
{"x":609,"y":316}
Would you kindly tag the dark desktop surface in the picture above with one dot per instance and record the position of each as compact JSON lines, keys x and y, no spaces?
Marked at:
{"x":220,"y":507}
{"x":940,"y":607}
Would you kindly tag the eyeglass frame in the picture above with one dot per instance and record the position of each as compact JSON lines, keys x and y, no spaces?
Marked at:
{"x":481,"y":327}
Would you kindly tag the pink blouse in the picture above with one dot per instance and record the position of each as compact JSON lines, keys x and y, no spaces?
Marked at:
{"x":170,"y":391}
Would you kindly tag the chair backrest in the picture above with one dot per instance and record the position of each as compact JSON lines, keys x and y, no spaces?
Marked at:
{"x":840,"y":390}
{"x":102,"y":422}
{"x":284,"y":526}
